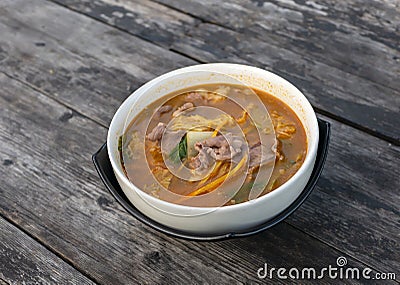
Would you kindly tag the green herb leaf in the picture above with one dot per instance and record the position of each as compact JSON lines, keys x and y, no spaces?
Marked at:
{"x":179,"y":152}
{"x":182,"y":148}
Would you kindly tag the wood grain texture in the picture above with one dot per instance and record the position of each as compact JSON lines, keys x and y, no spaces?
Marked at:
{"x":293,"y":43}
{"x":69,"y":210}
{"x":25,"y":261}
{"x":377,"y":20}
{"x":315,"y":31}
{"x":75,"y":60}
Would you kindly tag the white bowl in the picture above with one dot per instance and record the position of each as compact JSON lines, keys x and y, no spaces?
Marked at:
{"x":228,"y":218}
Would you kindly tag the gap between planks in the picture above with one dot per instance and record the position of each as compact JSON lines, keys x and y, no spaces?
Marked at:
{"x":55,"y":99}
{"x":55,"y":252}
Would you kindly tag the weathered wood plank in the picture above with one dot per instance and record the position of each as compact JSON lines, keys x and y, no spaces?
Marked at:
{"x":69,"y":210}
{"x":369,"y":105}
{"x":162,"y":25}
{"x":60,"y":57}
{"x":378,"y":20}
{"x":25,"y":261}
{"x":310,"y":30}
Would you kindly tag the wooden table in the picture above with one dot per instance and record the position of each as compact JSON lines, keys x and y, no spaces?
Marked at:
{"x":66,"y":65}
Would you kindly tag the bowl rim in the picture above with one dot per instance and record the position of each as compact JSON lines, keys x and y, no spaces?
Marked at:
{"x":309,"y":160}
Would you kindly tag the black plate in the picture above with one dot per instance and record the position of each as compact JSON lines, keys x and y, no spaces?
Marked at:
{"x":103,"y":167}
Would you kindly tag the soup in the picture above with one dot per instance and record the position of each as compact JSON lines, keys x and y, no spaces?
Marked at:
{"x":192,"y":141}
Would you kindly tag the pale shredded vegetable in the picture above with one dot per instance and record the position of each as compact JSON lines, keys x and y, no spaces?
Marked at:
{"x":193,"y":121}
